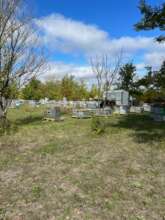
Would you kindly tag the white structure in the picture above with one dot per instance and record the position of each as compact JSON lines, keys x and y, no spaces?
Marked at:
{"x":147,"y":107}
{"x":120,"y":97}
{"x":53,"y":113}
{"x":92,"y":105}
{"x":136,"y":109}
{"x":44,"y":101}
{"x":16,"y":103}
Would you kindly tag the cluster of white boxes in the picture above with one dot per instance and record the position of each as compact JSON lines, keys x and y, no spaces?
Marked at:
{"x":121,"y":100}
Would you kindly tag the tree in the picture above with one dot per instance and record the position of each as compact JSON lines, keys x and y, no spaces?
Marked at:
{"x":56,"y":89}
{"x":127,"y":75}
{"x":82,"y":91}
{"x":152,"y":86}
{"x":52,"y":89}
{"x":93,"y":92}
{"x":67,"y":85}
{"x":160,"y":77}
{"x":33,"y":90}
{"x":148,"y":81}
{"x":153,"y":17}
{"x":20,"y":55}
{"x":72,"y":89}
{"x":97,"y":65}
{"x":106,"y":70}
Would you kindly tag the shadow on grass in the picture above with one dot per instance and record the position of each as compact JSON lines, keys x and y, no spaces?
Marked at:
{"x":143,"y":127}
{"x":13,"y":126}
{"x":7,"y":128}
{"x":29,"y":120}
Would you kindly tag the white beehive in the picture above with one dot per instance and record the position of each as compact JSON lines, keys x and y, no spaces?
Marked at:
{"x":53,"y":113}
{"x":121,"y":97}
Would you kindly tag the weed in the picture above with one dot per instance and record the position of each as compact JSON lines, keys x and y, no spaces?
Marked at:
{"x":98,"y":125}
{"x":36,"y":191}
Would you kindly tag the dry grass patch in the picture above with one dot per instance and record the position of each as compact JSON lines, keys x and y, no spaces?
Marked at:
{"x":63,"y":171}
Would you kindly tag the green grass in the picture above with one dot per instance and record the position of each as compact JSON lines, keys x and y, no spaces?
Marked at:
{"x":62,"y":170}
{"x":36,"y":191}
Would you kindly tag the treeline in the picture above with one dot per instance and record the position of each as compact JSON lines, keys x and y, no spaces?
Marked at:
{"x":58,"y":89}
{"x":149,"y":88}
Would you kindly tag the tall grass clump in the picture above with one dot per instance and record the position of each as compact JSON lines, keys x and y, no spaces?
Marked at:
{"x":98,"y":125}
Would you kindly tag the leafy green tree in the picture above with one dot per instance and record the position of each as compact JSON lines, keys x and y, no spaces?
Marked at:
{"x":152,"y":17}
{"x":145,"y":86}
{"x":33,"y":90}
{"x":93,"y":92}
{"x":52,"y":90}
{"x":82,"y":91}
{"x":160,"y":77}
{"x":67,"y":87}
{"x":153,"y":85}
{"x":72,"y":89}
{"x":127,"y":75}
{"x":148,"y":80}
{"x":56,"y":89}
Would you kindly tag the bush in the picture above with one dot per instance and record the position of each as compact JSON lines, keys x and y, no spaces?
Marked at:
{"x":98,"y":125}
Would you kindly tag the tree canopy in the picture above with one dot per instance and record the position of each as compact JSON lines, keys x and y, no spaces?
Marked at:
{"x":148,"y":88}
{"x":127,"y":75}
{"x":152,"y":17}
{"x":55,"y":90}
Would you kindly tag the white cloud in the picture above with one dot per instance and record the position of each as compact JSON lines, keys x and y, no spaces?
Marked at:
{"x":140,"y":66}
{"x":57,"y":70}
{"x":62,"y":34}
{"x":69,"y":35}
{"x":154,"y":59}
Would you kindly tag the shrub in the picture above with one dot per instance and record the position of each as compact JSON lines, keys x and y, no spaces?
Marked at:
{"x":98,"y":125}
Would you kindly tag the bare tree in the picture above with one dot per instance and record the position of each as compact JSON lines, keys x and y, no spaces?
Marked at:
{"x":98,"y":68}
{"x":106,"y":69}
{"x":20,"y":54}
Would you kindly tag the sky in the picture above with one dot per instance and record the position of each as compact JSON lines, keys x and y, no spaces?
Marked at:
{"x":73,"y":31}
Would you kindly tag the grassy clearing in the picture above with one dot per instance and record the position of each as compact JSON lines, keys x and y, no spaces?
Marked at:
{"x":62,"y":170}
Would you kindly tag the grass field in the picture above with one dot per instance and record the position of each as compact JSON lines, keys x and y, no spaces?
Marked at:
{"x":61,"y":170}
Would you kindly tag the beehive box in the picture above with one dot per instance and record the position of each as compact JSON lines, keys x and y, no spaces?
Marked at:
{"x":81,"y":113}
{"x":136,"y":109}
{"x":147,"y":107}
{"x":121,"y":97}
{"x":121,"y":110}
{"x":53,"y":113}
{"x":158,"y":113}
{"x":103,"y":112}
{"x":158,"y":110}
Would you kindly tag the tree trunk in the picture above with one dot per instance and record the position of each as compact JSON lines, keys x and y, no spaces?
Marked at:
{"x":4,"y":123}
{"x":3,"y":114}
